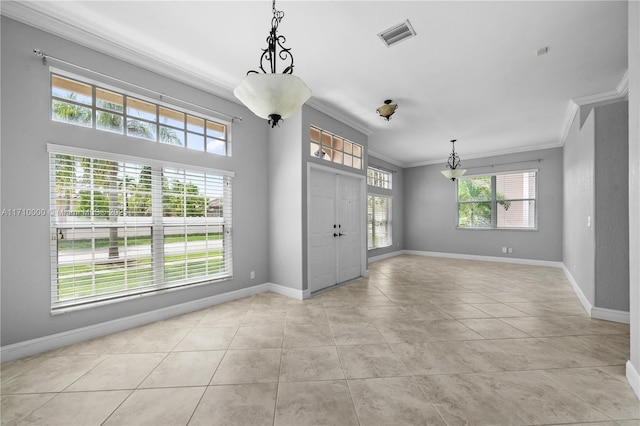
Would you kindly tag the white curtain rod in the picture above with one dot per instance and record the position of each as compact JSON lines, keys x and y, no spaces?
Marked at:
{"x":537,"y":160}
{"x":162,"y":96}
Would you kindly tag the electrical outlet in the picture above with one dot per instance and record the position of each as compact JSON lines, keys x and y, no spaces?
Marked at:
{"x":504,"y":249}
{"x":253,"y":275}
{"x":510,"y":250}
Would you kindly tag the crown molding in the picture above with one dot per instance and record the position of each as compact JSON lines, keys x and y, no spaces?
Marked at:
{"x":43,"y":17}
{"x":573,"y":107}
{"x":319,"y":106}
{"x":528,"y":148}
{"x":386,"y":158}
{"x":620,"y":92}
{"x":610,"y":95}
{"x":569,"y":116}
{"x":623,"y":86}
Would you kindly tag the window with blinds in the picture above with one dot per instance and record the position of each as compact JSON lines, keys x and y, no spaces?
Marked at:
{"x":122,"y":226}
{"x":507,"y":200}
{"x":378,"y":222}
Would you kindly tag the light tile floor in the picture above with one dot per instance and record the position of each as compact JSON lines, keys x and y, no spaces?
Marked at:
{"x":421,"y":341}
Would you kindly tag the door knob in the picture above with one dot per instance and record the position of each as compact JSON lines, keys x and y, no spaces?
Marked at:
{"x":335,"y":235}
{"x":340,"y":234}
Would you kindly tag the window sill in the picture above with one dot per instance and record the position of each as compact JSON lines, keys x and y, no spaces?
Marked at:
{"x":377,"y":248}
{"x":89,"y":303}
{"x":496,"y":229}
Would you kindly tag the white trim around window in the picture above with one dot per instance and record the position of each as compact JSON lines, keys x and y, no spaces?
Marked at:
{"x":505,"y":200}
{"x":124,"y":226}
{"x":379,"y":178}
{"x":379,"y":221}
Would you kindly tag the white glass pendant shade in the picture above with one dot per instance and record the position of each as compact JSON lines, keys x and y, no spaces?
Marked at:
{"x":267,"y":95}
{"x":453,"y":174}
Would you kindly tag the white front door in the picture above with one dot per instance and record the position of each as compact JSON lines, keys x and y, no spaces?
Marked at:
{"x":322,"y":253}
{"x":349,"y":228}
{"x":335,"y":229}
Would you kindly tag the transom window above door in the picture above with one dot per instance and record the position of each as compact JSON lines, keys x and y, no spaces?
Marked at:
{"x":335,"y":149}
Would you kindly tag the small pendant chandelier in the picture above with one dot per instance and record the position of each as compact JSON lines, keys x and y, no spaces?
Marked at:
{"x":452,"y":171}
{"x":387,"y":109}
{"x":273,"y":96}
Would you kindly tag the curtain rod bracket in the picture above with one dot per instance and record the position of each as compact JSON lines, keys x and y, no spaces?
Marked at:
{"x":40,"y":53}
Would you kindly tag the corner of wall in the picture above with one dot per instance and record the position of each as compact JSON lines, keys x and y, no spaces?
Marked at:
{"x":578,"y":291}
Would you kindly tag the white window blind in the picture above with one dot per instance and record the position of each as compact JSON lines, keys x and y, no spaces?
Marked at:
{"x":122,"y":227}
{"x":378,"y":222}
{"x":507,"y":200}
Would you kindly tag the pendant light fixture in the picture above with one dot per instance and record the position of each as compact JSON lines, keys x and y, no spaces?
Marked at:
{"x":270,"y":95}
{"x":386,"y":111}
{"x":452,"y":171}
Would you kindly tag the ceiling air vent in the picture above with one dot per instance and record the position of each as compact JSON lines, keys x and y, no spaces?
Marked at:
{"x":397,"y":33}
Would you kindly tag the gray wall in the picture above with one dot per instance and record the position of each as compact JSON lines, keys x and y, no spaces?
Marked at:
{"x":430,"y":210}
{"x":289,"y":154}
{"x":611,"y":179}
{"x":397,"y":208}
{"x":634,"y":180}
{"x":578,"y":238}
{"x":26,"y":129}
{"x":596,"y":185}
{"x":285,"y":204}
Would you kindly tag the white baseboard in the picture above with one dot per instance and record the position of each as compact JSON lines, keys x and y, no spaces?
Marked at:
{"x":610,"y":315}
{"x":385,"y":256}
{"x":516,"y":260}
{"x":287,"y":291}
{"x":588,"y":307}
{"x":58,"y":340}
{"x":634,"y":378}
{"x":593,"y":311}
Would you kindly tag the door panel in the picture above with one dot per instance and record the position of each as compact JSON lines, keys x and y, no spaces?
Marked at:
{"x":349,"y":244}
{"x":335,"y":208}
{"x":322,"y":251}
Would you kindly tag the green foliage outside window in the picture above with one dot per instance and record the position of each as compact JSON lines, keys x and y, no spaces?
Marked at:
{"x":475,"y":200}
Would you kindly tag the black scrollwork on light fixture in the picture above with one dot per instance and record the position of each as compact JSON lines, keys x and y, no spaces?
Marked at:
{"x":452,"y":171}
{"x":269,"y":94}
{"x":273,"y":42}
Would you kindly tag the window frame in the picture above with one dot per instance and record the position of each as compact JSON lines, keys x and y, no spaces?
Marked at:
{"x":494,"y":201}
{"x":384,"y":181}
{"x":321,"y":151}
{"x":372,"y":222}
{"x":157,"y":222}
{"x":158,"y":104}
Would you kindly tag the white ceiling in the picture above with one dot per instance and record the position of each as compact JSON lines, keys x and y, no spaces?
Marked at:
{"x":471,"y":73}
